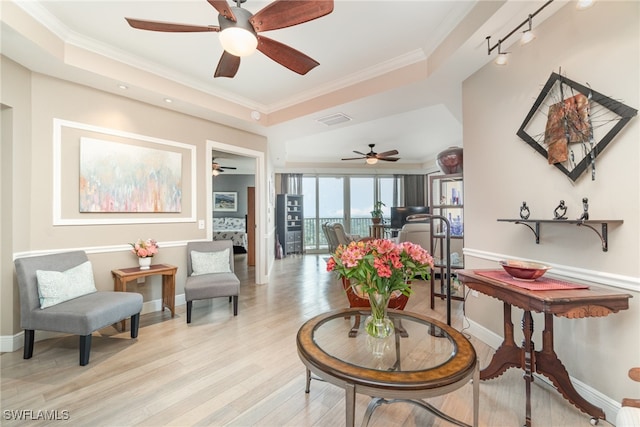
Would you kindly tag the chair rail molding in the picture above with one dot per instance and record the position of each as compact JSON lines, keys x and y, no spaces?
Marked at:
{"x":97,"y":249}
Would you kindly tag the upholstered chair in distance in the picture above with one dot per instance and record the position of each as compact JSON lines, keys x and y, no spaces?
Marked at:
{"x":210,"y":273}
{"x":58,"y":294}
{"x":341,"y":236}
{"x":330,"y":235}
{"x":418,"y":233}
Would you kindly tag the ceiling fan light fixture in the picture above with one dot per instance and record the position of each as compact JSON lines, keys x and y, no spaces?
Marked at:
{"x":215,"y":172}
{"x":371,"y":160}
{"x":238,"y":38}
{"x":238,"y":41}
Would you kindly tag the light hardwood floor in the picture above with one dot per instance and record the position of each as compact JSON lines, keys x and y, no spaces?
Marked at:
{"x":240,"y":371}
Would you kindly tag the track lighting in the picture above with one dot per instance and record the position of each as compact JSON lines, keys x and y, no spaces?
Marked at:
{"x":502,"y":56}
{"x":527,"y":35}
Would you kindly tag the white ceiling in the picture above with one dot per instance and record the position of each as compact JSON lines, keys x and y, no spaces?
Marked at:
{"x":395,"y":67}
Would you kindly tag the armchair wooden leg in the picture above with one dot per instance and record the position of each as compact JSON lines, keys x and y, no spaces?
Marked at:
{"x":29,"y":335}
{"x":189,"y":306}
{"x":135,"y":323}
{"x":85,"y":349}
{"x":235,"y":305}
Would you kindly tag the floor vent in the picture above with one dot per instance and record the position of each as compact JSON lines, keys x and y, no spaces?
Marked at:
{"x":334,"y":119}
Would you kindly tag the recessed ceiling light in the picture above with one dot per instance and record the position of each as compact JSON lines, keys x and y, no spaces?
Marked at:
{"x":168,"y":100}
{"x":123,"y":86}
{"x":584,"y":4}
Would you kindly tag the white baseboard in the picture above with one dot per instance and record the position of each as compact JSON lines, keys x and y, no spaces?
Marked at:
{"x":608,"y":405}
{"x":11,"y":343}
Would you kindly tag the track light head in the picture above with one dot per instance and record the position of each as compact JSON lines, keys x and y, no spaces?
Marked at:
{"x":527,"y":35}
{"x":502,"y":56}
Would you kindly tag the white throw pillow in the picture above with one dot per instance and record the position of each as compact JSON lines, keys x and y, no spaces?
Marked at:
{"x":210,"y":262}
{"x":55,"y":287}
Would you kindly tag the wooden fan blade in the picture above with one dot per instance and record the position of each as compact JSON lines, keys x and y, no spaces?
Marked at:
{"x":389,"y":159}
{"x":354,"y":158}
{"x":286,"y":56}
{"x":228,"y":65}
{"x":286,"y":13}
{"x":357,"y":152}
{"x":387,"y":153}
{"x":169,"y":27}
{"x":227,"y":167}
{"x":223,"y":9}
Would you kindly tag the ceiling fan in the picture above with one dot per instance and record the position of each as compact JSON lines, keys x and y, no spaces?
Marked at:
{"x":372,"y":157}
{"x":239,"y":30}
{"x":216,"y":169}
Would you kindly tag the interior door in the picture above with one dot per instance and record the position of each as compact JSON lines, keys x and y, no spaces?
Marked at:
{"x":251,"y":226}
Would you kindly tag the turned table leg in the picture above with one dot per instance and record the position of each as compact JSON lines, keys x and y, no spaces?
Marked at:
{"x":508,"y":355}
{"x":548,"y":364}
{"x":529,"y":362}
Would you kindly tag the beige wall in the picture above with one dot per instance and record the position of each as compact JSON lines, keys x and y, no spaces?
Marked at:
{"x":35,"y":102}
{"x":16,"y":134}
{"x":598,"y":46}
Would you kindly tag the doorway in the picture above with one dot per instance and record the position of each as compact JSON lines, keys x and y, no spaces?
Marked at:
{"x":260,"y":249}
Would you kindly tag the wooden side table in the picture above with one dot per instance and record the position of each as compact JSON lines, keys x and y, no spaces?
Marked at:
{"x":572,"y":304}
{"x":123,"y":275}
{"x":376,"y":231}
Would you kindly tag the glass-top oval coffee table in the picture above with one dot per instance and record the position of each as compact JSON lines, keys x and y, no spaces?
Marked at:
{"x":433,"y":359}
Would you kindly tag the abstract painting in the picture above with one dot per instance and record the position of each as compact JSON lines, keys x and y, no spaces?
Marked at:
{"x":570,"y":124}
{"x":116,"y":177}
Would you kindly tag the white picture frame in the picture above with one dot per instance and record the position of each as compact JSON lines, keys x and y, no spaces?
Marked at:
{"x":225,"y":201}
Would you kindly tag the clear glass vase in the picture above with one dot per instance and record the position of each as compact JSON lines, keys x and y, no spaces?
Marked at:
{"x":378,"y":324}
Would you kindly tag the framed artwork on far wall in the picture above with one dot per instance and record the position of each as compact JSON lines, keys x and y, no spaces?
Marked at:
{"x":225,"y":201}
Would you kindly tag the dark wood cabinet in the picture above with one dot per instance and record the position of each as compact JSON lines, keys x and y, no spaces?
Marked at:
{"x":290,"y":223}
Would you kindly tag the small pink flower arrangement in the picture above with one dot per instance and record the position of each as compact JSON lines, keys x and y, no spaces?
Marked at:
{"x":144,"y":248}
{"x":381,"y":266}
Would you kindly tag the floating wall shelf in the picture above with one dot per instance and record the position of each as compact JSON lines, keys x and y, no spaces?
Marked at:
{"x":534,"y":226}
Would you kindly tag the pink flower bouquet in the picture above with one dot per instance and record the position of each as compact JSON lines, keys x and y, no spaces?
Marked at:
{"x":144,"y":248}
{"x":381,"y":266}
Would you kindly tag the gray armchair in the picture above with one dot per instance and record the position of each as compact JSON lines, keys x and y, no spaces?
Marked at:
{"x":210,"y":279}
{"x":330,"y":235}
{"x":81,"y":316}
{"x":341,"y":236}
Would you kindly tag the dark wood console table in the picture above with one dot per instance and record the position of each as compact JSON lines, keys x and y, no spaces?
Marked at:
{"x":573,"y":303}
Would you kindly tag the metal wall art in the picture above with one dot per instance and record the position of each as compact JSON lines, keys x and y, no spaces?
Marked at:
{"x":570,"y":125}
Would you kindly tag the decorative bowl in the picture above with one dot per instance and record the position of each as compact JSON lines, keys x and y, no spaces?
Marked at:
{"x":524,"y":270}
{"x":450,"y":160}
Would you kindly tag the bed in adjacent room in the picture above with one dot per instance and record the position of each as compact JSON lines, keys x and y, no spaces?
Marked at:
{"x":234,"y":229}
